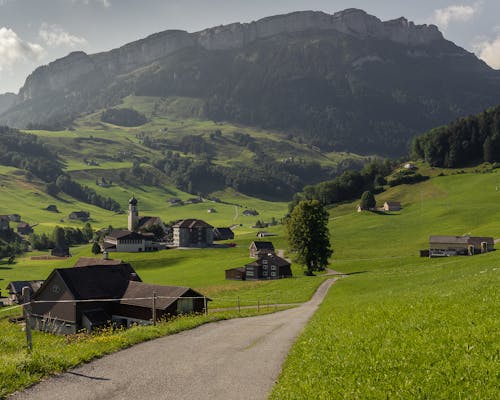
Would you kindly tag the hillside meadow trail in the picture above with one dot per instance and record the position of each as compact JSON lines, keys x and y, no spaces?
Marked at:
{"x":235,"y":359}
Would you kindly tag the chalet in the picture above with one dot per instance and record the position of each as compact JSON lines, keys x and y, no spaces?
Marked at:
{"x":174,"y":201}
{"x":15,"y":290}
{"x":80,"y":215}
{"x":223,"y":234}
{"x":250,"y":213}
{"x":4,"y":223}
{"x":392,"y":206}
{"x":52,"y":208}
{"x":192,"y":233}
{"x":442,"y":246}
{"x":258,"y":248}
{"x":129,"y":242}
{"x":263,"y":234}
{"x":194,"y":200}
{"x":73,"y":299}
{"x":23,"y":228}
{"x":268,"y":266}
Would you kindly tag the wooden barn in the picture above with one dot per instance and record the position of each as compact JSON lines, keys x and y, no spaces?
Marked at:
{"x":89,"y":292}
{"x":223,"y":234}
{"x":268,"y":266}
{"x":237,"y":274}
{"x":442,"y":246}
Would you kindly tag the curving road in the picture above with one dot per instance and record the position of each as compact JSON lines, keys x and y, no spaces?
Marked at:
{"x":234,"y":359}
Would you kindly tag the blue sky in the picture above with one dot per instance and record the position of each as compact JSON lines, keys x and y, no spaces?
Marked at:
{"x":35,"y":32}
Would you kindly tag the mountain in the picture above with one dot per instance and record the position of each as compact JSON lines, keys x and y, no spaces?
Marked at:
{"x":346,"y":81}
{"x":7,"y":100}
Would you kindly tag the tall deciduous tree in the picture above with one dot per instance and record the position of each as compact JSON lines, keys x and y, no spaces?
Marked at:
{"x":367,"y":200}
{"x":308,"y":235}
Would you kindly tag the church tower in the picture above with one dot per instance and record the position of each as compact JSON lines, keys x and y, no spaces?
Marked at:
{"x":133,"y":214}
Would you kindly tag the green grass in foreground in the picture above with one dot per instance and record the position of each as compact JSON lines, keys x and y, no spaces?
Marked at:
{"x":52,"y":354}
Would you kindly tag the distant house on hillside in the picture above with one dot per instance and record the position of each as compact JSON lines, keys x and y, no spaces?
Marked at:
{"x":250,"y":213}
{"x":211,"y":210}
{"x":263,"y":234}
{"x":23,"y":228}
{"x":175,"y":201}
{"x":80,"y":215}
{"x":86,"y":287}
{"x":194,"y":200}
{"x":442,"y":246}
{"x":223,"y":234}
{"x":15,"y":290}
{"x":52,"y":208}
{"x":267,"y":266}
{"x":258,"y":248}
{"x":192,"y":233}
{"x":360,"y":208}
{"x":392,"y":206}
{"x":409,"y":166}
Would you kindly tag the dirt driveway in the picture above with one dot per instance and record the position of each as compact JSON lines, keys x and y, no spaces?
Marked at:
{"x":235,"y":359}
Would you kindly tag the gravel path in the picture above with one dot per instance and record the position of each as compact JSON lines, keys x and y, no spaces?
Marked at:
{"x":234,"y":359}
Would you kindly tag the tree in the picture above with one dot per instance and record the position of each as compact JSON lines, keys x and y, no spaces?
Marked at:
{"x":308,"y":235}
{"x":96,"y":249}
{"x":59,"y":238}
{"x":88,"y":232}
{"x":367,"y":200}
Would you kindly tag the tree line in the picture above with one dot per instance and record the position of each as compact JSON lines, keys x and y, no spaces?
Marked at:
{"x":472,"y":139}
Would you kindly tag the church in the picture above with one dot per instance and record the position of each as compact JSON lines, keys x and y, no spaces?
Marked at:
{"x":136,"y":238}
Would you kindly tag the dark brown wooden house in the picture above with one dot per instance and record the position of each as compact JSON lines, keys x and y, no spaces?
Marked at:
{"x":268,"y":266}
{"x":238,"y":274}
{"x":258,"y":248}
{"x":223,"y":234}
{"x":98,"y":295}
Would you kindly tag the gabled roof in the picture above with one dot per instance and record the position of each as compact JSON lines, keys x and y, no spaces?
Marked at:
{"x":449,"y":239}
{"x":167,"y":295}
{"x":192,"y":223}
{"x":124,"y":234}
{"x":147,"y":222}
{"x":89,"y":261}
{"x":17,"y":286}
{"x":262,"y":245}
{"x":95,"y":282}
{"x":271,"y":259}
{"x":224,"y":231}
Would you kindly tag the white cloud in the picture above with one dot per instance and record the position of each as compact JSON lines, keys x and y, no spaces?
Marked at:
{"x":455,"y":13}
{"x":489,"y":51}
{"x":14,"y":49}
{"x":54,"y":36}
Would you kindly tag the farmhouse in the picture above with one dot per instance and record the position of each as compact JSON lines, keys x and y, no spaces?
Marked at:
{"x":263,"y":234}
{"x":442,"y":246}
{"x":80,"y":215}
{"x":15,"y":290}
{"x":193,"y":233}
{"x":86,"y":288}
{"x":392,"y":206}
{"x":250,"y":213}
{"x":223,"y":234}
{"x":258,"y":248}
{"x":268,"y":266}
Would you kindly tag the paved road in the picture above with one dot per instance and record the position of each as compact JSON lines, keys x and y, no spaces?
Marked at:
{"x":235,"y":359}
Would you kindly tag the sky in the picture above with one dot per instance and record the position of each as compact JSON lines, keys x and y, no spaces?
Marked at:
{"x":36,"y":32}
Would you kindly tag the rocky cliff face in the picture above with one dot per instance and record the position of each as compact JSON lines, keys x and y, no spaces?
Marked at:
{"x":59,"y":74}
{"x":7,"y":100}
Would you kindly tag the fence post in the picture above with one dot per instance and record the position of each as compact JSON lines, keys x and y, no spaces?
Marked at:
{"x":26,"y":293}
{"x":239,"y":307}
{"x":258,"y":305}
{"x":206,"y":304}
{"x":267,"y":303}
{"x":154,"y":308}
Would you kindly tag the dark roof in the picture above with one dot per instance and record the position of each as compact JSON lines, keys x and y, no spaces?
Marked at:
{"x":89,"y":261}
{"x":271,"y":259}
{"x":123,"y":233}
{"x":449,"y":239}
{"x":107,"y":245}
{"x":167,"y":295}
{"x":192,"y":223}
{"x":225,"y":231}
{"x":96,"y":282}
{"x":263,"y":245}
{"x":17,"y":286}
{"x":393,"y":203}
{"x":477,"y":240}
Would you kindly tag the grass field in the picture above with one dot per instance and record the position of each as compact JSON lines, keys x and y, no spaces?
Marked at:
{"x":402,"y":326}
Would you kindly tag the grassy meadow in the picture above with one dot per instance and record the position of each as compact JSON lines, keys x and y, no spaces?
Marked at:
{"x":400,"y":326}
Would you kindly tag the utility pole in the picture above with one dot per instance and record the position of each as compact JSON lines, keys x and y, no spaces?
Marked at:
{"x":154,"y":308}
{"x":26,"y":293}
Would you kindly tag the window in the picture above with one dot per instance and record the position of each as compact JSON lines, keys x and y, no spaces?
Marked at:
{"x":273,"y":267}
{"x":273,"y":273}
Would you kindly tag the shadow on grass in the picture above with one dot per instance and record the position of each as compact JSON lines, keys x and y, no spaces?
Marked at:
{"x":5,"y":268}
{"x":384,"y":213}
{"x":356,"y":273}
